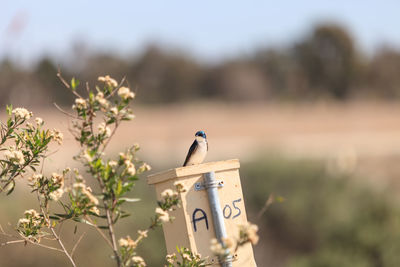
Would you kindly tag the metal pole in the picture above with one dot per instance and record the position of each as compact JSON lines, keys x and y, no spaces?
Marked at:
{"x":218,"y":219}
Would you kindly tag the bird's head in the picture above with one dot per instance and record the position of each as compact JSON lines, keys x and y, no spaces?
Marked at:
{"x":200,"y":135}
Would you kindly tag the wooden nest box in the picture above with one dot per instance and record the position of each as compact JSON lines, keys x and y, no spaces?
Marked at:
{"x":193,"y":226}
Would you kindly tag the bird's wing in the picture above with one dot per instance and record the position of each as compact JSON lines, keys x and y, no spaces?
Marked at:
{"x":207,"y":144}
{"x":192,"y":149}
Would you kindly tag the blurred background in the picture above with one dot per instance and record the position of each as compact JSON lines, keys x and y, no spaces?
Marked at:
{"x":306,"y":94}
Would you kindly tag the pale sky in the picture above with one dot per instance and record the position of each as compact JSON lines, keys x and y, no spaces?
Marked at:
{"x":211,"y":30}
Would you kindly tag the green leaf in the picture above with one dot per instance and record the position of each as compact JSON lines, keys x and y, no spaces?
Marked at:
{"x":119,"y":188}
{"x":9,"y":109}
{"x":54,"y":217}
{"x":10,"y":187}
{"x":65,"y":216}
{"x":74,"y":83}
{"x":125,"y":215}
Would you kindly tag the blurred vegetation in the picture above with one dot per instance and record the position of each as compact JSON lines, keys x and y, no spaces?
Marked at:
{"x":327,"y":219}
{"x":324,"y":63}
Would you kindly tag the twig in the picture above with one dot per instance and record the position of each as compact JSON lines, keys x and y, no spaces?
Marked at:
{"x":100,"y":232}
{"x":31,"y":242}
{"x":269,"y":202}
{"x":109,"y":138}
{"x":54,"y":232}
{"x":76,"y":244}
{"x":66,"y":113}
{"x":116,"y":88}
{"x":12,"y":242}
{"x":112,"y":236}
{"x":66,"y":84}
{"x":3,"y":232}
{"x":87,"y":88}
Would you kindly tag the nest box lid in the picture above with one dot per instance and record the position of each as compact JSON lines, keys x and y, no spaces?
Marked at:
{"x":193,"y":170}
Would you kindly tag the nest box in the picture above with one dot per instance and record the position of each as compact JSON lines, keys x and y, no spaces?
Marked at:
{"x":194,"y":223}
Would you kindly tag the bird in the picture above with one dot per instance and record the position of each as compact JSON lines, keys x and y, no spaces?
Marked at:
{"x":198,"y":150}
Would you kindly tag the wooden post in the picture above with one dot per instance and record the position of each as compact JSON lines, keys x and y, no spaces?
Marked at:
{"x":193,"y":226}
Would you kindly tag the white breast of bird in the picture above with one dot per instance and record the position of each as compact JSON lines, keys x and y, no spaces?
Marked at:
{"x":199,"y":155}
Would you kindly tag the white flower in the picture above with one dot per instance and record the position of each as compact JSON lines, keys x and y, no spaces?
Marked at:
{"x":125,"y":93}
{"x":114,"y":110}
{"x":144,"y":167}
{"x":80,"y":103}
{"x":87,"y":157}
{"x":57,"y":194}
{"x":87,"y":191}
{"x":186,"y":257}
{"x":80,"y":186}
{"x":130,"y":167}
{"x":103,"y":129}
{"x":228,"y":242}
{"x":23,"y":221}
{"x":57,"y":136}
{"x":130,"y":116}
{"x":217,"y":248}
{"x":102,"y":101}
{"x":168,"y":193}
{"x":14,"y":156}
{"x":95,"y":210}
{"x":162,"y":215}
{"x":108,"y":80}
{"x":57,"y":179}
{"x":122,"y":242}
{"x":170,"y":258}
{"x":31,"y":213}
{"x":22,"y":113}
{"x":113,"y":163}
{"x":249,"y":231}
{"x":39,"y":121}
{"x":127,"y":242}
{"x":143,"y":234}
{"x":35,"y":177}
{"x":138,"y":260}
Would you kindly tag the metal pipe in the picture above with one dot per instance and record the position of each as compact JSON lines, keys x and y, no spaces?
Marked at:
{"x":211,"y":186}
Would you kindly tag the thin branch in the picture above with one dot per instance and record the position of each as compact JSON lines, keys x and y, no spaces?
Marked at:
{"x":54,"y":232}
{"x":31,"y":242}
{"x":116,"y":88}
{"x":66,"y":84}
{"x":100,"y":231}
{"x":3,"y":232}
{"x":12,"y":242}
{"x":269,"y":202}
{"x":109,"y":138}
{"x":62,"y":79}
{"x":65,"y":112}
{"x":45,"y":246}
{"x":76,"y":244}
{"x":87,"y":88}
{"x":112,"y":236}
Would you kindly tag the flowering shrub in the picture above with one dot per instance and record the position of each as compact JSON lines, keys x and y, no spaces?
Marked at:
{"x":96,"y":117}
{"x":29,"y":144}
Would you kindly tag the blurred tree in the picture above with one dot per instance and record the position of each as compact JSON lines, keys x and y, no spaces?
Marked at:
{"x":49,"y":86}
{"x":166,"y":77}
{"x":7,"y":73}
{"x":328,"y":60}
{"x":384,"y":73}
{"x":237,"y":81}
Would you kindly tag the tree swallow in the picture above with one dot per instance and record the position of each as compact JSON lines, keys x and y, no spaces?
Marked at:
{"x":198,"y":150}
